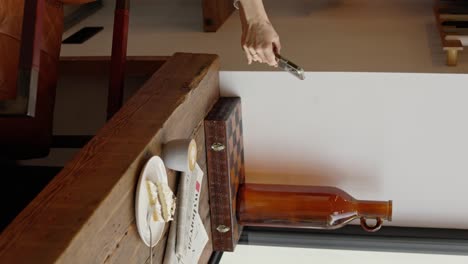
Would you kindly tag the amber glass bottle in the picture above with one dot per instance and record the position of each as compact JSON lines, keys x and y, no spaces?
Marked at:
{"x":306,"y":206}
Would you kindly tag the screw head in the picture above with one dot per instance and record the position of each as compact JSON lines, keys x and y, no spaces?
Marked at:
{"x":223,"y":229}
{"x":218,"y":147}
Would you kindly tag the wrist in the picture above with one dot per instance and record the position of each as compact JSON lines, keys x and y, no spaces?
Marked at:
{"x":253,"y":11}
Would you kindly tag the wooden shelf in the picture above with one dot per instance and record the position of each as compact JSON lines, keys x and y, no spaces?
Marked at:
{"x":452,"y":18}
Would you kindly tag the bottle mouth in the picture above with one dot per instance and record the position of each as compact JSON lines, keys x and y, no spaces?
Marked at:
{"x":390,"y":210}
{"x":374,"y":209}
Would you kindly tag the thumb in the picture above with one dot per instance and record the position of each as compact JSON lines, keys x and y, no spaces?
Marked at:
{"x":277,"y":46}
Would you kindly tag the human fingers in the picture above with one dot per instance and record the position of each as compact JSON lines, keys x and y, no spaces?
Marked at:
{"x":251,"y":43}
{"x":246,"y":34}
{"x":277,"y":45}
{"x":269,"y":55}
{"x":253,"y":52}
{"x":261,"y":54}
{"x":259,"y":47}
{"x":247,"y":54}
{"x":249,"y":46}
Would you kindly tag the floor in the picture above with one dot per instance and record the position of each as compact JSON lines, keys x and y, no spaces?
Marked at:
{"x":248,"y":254}
{"x":319,"y":35}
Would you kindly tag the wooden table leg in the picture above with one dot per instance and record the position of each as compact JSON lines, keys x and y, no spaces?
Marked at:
{"x":215,"y":13}
{"x":119,"y":55}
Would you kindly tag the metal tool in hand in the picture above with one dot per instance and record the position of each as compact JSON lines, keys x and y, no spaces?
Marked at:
{"x":290,"y":67}
{"x":149,"y":215}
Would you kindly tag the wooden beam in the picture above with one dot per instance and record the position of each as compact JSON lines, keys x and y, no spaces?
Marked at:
{"x":215,"y":13}
{"x":86,"y":213}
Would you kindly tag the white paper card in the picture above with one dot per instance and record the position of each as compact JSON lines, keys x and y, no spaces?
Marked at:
{"x":187,"y":237}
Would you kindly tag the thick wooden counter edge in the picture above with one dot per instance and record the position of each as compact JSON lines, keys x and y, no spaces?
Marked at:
{"x":88,"y":208}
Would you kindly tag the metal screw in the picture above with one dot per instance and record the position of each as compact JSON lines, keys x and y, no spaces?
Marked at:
{"x":223,"y":229}
{"x":218,"y":147}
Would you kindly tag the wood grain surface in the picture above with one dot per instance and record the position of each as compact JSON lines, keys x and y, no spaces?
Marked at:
{"x":86,"y":213}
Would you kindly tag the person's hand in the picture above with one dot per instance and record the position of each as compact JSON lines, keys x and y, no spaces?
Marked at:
{"x":260,"y":41}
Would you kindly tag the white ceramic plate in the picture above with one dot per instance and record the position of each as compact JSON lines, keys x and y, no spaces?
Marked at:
{"x":154,"y":170}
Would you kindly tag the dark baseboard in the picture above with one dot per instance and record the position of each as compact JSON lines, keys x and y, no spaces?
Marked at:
{"x":215,"y":257}
{"x":388,"y":239}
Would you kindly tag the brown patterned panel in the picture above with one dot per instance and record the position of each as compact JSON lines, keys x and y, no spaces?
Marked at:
{"x":223,"y":125}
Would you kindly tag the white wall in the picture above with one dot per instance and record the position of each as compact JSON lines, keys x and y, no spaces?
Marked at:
{"x":378,"y":136}
{"x":280,"y":255}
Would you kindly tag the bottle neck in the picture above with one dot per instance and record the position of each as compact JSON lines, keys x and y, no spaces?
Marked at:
{"x":375,"y":209}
